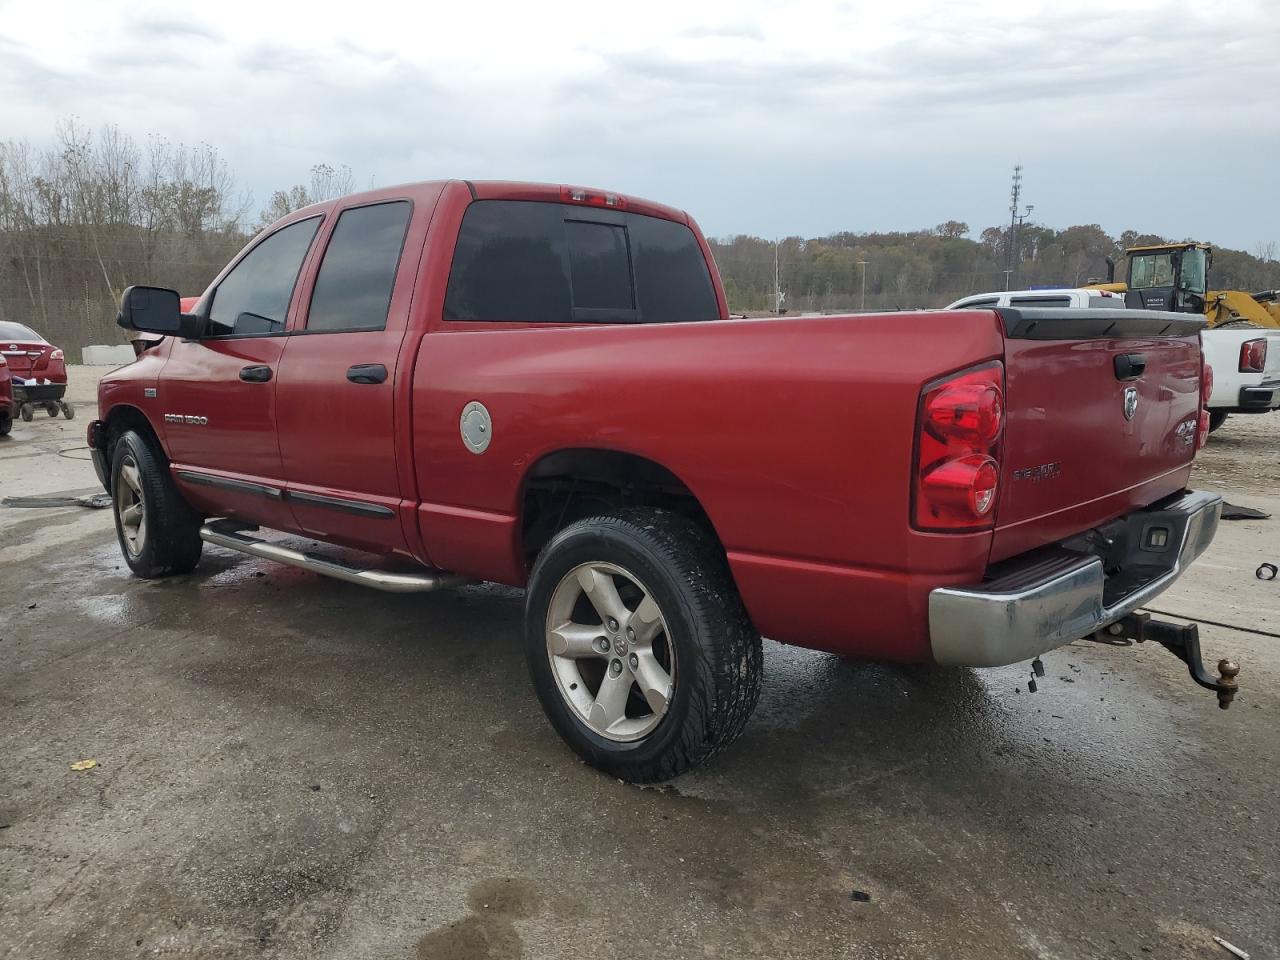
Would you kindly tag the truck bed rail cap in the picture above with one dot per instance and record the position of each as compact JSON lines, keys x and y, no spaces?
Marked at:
{"x":1065,"y":323}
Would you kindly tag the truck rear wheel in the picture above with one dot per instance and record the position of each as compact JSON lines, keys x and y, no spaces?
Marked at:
{"x":1216,"y":419}
{"x":639,"y":648}
{"x":158,"y":531}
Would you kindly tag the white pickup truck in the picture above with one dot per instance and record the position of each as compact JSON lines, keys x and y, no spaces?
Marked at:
{"x":1246,"y":370}
{"x":1245,"y":359}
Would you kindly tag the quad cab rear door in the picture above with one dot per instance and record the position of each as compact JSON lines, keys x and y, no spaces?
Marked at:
{"x":343,"y":395}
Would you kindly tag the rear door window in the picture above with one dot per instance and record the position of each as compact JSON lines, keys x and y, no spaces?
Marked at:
{"x":254,"y":297}
{"x":353,"y":287}
{"x":536,"y":262}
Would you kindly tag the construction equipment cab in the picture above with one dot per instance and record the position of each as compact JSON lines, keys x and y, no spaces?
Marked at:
{"x":1175,"y":276}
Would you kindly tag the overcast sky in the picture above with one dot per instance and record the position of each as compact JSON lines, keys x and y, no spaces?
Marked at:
{"x":765,"y":118}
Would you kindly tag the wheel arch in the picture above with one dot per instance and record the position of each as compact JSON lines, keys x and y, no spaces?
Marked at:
{"x":571,"y":483}
{"x":125,"y":417}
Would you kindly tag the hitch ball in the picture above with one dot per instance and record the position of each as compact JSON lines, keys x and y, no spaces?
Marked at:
{"x":1227,"y":686}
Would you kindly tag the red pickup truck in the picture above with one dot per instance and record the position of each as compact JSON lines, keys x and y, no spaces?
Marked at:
{"x":541,"y":386}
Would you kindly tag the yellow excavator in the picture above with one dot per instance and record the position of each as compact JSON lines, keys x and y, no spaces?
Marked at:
{"x":1175,"y":276}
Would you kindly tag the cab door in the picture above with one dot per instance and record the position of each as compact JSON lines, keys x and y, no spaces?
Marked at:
{"x":217,"y":394}
{"x":342,"y":392}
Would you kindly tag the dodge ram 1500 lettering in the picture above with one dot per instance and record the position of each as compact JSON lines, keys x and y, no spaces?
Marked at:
{"x":541,"y":386}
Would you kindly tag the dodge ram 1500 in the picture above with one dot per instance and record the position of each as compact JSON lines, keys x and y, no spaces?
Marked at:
{"x":541,"y":386}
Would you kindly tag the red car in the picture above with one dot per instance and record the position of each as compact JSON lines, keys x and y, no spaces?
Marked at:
{"x":37,"y":371}
{"x":541,"y":386}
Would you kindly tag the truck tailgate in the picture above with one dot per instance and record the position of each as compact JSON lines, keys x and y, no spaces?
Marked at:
{"x":1102,"y":410}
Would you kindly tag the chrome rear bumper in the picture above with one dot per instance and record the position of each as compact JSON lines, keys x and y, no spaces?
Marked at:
{"x":1057,"y":595}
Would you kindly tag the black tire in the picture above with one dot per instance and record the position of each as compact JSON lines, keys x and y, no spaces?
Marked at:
{"x":6,"y":424}
{"x":27,"y":412}
{"x":51,"y":409}
{"x":1216,"y":419}
{"x":716,"y":650}
{"x":1238,"y":324}
{"x":170,"y":541}
{"x":68,"y":410}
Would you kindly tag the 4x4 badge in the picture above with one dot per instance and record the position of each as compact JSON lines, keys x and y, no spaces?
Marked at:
{"x":1130,"y":402}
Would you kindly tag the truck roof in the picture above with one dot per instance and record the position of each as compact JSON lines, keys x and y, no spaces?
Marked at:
{"x":521,"y":190}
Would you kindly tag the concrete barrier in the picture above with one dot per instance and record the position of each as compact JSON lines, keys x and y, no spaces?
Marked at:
{"x":104,"y":355}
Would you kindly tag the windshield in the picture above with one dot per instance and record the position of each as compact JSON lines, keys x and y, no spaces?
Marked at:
{"x":1193,"y":271}
{"x":16,"y":331}
{"x":1151,"y":270}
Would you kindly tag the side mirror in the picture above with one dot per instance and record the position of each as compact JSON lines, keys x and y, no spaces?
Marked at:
{"x":156,"y":310}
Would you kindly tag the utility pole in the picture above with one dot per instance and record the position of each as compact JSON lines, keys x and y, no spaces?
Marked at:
{"x":862,"y":302}
{"x":1015,"y":221}
{"x":778,"y":295}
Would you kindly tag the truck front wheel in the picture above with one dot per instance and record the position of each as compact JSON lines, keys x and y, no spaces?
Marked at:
{"x":158,"y":531}
{"x":640,"y":650}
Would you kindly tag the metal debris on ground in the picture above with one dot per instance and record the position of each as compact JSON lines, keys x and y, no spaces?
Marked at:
{"x":1266,"y":572}
{"x":95,"y":501}
{"x":1232,"y":511}
{"x":1231,"y":947}
{"x":860,"y":896}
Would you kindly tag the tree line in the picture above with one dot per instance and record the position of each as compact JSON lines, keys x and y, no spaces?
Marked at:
{"x":92,"y":212}
{"x":931,"y":268}
{"x":96,"y":211}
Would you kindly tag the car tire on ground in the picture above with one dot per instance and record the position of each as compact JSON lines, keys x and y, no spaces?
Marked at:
{"x":6,"y":424}
{"x":639,"y":647}
{"x":158,"y":531}
{"x":1216,"y":419}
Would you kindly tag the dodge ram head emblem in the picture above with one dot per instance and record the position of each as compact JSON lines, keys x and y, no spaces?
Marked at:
{"x":1130,"y":402}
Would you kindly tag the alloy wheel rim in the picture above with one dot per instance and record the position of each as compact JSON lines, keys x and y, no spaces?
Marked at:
{"x":130,"y":507}
{"x":610,"y":651}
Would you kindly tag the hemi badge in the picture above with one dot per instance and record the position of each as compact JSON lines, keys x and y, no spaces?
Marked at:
{"x":148,"y":391}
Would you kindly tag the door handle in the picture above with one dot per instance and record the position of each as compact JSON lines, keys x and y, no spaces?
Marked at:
{"x":1130,"y":366}
{"x":367,"y":373}
{"x":257,"y":373}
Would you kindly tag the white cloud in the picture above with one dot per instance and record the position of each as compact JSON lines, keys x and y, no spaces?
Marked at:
{"x":773,"y":118}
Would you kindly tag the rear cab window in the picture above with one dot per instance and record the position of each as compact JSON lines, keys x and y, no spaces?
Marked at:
{"x":539,"y":262}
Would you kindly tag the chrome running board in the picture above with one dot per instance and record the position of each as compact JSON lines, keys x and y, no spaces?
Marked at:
{"x":229,"y":534}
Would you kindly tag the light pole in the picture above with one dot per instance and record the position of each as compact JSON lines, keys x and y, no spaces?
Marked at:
{"x":862,"y":302}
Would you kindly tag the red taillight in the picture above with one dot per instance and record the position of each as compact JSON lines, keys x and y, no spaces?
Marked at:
{"x":957,"y":470}
{"x":56,"y":355}
{"x":970,"y":412}
{"x":966,"y":486}
{"x":592,"y":198}
{"x":1253,"y":356}
{"x":1206,"y":383}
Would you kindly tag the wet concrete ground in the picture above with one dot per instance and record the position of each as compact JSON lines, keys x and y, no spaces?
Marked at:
{"x":289,"y":767}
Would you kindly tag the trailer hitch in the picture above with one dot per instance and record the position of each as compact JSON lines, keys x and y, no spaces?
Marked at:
{"x":1183,"y":641}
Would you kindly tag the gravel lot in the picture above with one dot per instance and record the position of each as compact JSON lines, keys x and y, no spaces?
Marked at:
{"x":293,"y":767}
